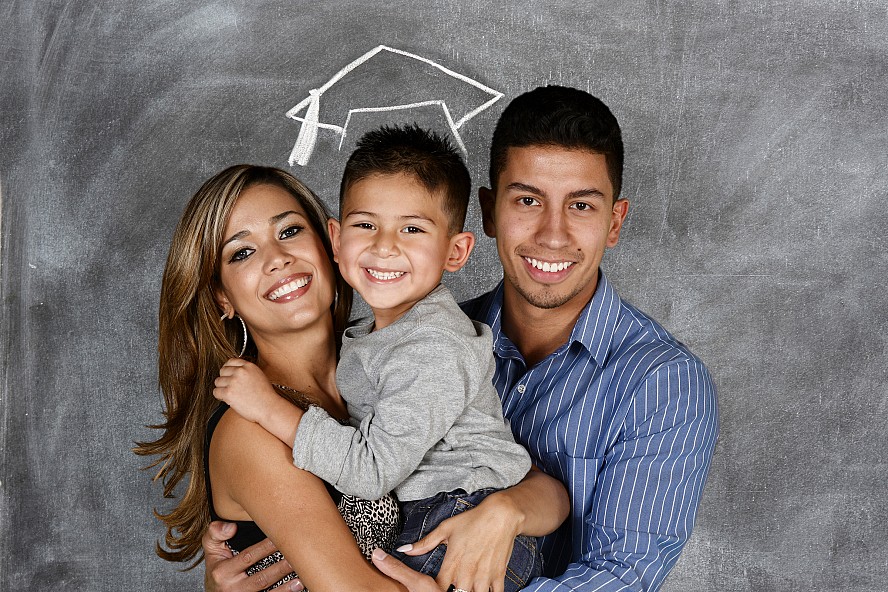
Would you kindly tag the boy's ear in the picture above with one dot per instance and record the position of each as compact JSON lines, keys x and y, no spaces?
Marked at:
{"x":461,"y":246}
{"x":487,"y":199}
{"x":333,"y":230}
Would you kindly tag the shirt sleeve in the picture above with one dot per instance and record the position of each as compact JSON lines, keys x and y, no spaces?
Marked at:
{"x":422,"y":388}
{"x":649,"y":487}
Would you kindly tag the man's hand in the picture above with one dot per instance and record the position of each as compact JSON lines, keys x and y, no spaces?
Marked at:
{"x":479,"y":545}
{"x":410,"y":579}
{"x":226,"y":572}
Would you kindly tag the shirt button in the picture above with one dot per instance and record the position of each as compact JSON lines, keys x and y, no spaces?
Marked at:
{"x":521,"y":388}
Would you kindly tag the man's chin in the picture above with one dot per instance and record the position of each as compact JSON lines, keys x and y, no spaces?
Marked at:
{"x":546,"y":299}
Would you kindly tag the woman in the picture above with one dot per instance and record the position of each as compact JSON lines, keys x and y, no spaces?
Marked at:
{"x":250,"y":231}
{"x":252,"y":249}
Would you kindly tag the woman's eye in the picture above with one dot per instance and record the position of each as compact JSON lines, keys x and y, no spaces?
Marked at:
{"x":291,"y":231}
{"x":240,"y":255}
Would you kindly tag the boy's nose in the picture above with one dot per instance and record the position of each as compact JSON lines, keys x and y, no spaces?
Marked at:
{"x":385,"y":245}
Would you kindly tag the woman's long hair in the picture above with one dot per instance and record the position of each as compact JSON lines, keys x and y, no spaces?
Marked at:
{"x":194,"y":343}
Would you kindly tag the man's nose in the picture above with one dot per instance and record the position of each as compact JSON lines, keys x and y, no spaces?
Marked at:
{"x":552,"y":229}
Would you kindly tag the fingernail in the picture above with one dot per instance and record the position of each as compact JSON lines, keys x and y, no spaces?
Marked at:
{"x":404,"y":548}
{"x":379,"y":554}
{"x":297,"y":587}
{"x":228,"y":528}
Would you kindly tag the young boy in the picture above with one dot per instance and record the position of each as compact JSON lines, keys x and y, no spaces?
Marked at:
{"x":426,"y":421}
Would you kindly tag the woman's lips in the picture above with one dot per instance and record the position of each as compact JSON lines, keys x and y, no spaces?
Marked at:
{"x":288,"y":288}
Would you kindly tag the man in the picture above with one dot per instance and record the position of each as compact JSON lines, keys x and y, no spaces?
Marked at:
{"x":603,"y":397}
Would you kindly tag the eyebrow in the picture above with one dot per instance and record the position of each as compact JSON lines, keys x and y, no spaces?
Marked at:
{"x":271,"y":222}
{"x":591,"y":192}
{"x":402,"y":217}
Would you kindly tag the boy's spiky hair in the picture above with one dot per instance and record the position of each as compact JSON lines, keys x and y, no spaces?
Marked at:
{"x":412,"y":150}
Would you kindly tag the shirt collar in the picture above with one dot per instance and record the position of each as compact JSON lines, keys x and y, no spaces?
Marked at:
{"x":594,"y":329}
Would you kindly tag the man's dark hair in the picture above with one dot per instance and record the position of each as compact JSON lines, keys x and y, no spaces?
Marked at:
{"x":560,"y":117}
{"x":411,"y":150}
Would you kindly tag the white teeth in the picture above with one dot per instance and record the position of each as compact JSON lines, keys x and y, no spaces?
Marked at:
{"x":290,"y":287}
{"x":549,"y":267}
{"x":385,"y":275}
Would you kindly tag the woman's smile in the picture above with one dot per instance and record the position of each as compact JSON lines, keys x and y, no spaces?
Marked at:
{"x":289,"y":288}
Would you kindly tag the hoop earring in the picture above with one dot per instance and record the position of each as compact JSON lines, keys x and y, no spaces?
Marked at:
{"x":246,"y":336}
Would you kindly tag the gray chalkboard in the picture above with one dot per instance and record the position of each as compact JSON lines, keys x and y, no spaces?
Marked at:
{"x":756,"y":167}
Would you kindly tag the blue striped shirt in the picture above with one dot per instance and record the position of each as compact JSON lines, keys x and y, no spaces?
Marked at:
{"x":626,"y":417}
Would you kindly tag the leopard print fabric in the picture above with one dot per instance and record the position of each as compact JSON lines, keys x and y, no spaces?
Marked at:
{"x":374,"y":523}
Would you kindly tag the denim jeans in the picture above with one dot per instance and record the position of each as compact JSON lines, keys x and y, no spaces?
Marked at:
{"x":422,"y":516}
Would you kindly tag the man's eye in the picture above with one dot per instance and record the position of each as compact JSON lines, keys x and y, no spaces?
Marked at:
{"x":582,"y":206}
{"x":528,"y":201}
{"x":240,"y":255}
{"x":290,"y":231}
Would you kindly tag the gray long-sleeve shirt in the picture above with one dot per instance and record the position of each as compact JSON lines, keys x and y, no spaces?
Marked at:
{"x":425,"y":416}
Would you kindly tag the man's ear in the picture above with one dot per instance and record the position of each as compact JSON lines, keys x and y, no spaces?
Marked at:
{"x":618,"y":215}
{"x":487,"y":199}
{"x":333,"y":229}
{"x":461,"y":246}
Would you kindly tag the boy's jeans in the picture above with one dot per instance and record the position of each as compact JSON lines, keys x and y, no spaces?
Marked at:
{"x":422,"y":516}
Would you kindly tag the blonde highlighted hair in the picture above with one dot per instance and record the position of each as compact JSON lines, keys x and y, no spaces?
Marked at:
{"x":193,"y":342}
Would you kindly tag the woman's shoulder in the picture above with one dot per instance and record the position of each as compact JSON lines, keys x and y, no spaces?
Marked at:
{"x":235,"y":437}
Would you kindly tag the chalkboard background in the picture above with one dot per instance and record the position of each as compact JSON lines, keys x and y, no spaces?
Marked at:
{"x":756,"y":169}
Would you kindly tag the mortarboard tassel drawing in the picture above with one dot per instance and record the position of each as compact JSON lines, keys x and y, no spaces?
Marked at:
{"x":428,"y":84}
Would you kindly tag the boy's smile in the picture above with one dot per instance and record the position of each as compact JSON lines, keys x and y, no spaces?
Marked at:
{"x":393,"y":243}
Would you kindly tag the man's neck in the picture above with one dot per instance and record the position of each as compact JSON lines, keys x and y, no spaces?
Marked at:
{"x":537,"y":332}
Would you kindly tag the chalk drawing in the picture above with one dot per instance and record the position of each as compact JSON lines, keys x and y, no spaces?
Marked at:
{"x":308,"y":132}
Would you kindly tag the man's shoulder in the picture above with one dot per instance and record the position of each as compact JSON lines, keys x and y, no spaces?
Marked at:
{"x":478,"y":308}
{"x":640,"y":339}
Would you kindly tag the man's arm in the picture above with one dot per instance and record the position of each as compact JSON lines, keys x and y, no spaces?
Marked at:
{"x":226,"y":572}
{"x":479,"y":541}
{"x":648,"y":490}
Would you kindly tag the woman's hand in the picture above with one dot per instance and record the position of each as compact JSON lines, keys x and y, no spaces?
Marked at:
{"x":479,"y":544}
{"x":226,"y":572}
{"x":410,"y":579}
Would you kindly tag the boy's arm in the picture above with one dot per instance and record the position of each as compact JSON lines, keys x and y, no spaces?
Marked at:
{"x":421,"y":390}
{"x":246,"y":389}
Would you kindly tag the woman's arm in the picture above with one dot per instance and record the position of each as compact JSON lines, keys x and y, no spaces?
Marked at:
{"x":479,"y":541}
{"x":252,"y":473}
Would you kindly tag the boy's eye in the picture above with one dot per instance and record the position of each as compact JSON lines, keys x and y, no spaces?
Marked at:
{"x":240,"y":255}
{"x":412,"y":230}
{"x":363,"y":225}
{"x":290,"y":231}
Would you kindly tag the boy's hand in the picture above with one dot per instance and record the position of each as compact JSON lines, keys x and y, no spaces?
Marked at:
{"x":245,"y":388}
{"x":248,"y":391}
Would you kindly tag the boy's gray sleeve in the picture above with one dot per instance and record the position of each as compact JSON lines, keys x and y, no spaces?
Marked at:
{"x":423,"y":387}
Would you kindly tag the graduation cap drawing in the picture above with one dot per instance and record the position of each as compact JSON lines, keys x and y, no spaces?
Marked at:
{"x":406,"y":81}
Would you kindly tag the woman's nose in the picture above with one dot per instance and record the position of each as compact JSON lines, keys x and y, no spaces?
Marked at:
{"x":277,"y":258}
